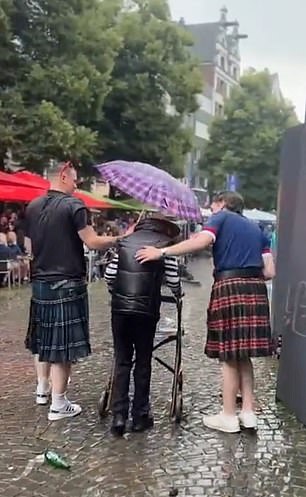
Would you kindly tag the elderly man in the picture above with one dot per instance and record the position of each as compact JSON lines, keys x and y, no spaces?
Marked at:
{"x":136,"y":303}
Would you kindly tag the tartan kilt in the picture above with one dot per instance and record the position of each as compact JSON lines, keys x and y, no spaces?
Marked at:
{"x":58,"y":330}
{"x":238,"y":320}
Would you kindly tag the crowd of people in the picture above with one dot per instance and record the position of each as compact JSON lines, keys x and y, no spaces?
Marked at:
{"x":14,"y":256}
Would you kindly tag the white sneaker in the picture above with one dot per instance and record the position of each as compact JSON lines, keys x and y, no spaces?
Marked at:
{"x":222,"y":422}
{"x":42,"y":399}
{"x":248,"y":420}
{"x":69,"y":411}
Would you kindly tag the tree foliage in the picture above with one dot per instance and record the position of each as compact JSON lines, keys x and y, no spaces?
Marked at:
{"x":246,"y":141}
{"x":92,"y":79}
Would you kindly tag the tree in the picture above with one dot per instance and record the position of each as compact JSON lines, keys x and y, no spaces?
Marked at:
{"x":95,"y":80}
{"x":56,"y":59}
{"x":246,"y":141}
{"x":153,"y":87}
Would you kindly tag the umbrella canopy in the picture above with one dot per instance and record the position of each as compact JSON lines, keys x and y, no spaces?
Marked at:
{"x":13,"y":180}
{"x":258,"y":215}
{"x":26,"y":186}
{"x":152,"y":186}
{"x":116,"y":204}
{"x":18,"y":193}
{"x":92,"y":203}
{"x":32,"y":179}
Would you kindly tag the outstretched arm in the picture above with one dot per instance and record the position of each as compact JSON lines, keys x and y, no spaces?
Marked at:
{"x":200,"y":242}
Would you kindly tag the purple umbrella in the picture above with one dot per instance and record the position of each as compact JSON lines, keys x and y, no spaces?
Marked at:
{"x":152,"y":186}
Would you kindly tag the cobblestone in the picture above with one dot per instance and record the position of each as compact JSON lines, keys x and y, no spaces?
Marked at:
{"x":196,"y":461}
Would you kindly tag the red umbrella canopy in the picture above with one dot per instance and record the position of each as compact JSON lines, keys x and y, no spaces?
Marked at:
{"x":25,"y":186}
{"x":19,"y":193}
{"x":93,"y":203}
{"x":13,"y":180}
{"x":32,"y":179}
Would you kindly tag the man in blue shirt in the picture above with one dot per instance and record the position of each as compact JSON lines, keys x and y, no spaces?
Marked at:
{"x":238,"y":321}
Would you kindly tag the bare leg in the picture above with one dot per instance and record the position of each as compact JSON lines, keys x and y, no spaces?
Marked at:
{"x":61,"y":407}
{"x":59,"y":375}
{"x":246,"y":374}
{"x":43,"y":374}
{"x":230,"y":387}
{"x":227,"y":421}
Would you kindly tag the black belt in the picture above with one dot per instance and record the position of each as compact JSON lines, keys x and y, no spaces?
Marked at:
{"x":248,"y":272}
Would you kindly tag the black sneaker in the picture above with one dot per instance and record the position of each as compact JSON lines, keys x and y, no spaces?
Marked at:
{"x":118,"y":425}
{"x":142,"y":423}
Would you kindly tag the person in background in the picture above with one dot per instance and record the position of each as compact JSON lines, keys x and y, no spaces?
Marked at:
{"x":136,"y":300}
{"x":15,"y":255}
{"x":3,"y":223}
{"x":57,"y":226}
{"x":238,"y":320}
{"x":274,"y":241}
{"x":4,"y":250}
{"x":21,"y":262}
{"x":4,"y":257}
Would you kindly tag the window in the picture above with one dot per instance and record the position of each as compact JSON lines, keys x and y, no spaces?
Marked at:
{"x":235,"y":73}
{"x":201,"y":130}
{"x":197,"y":154}
{"x":222,"y":62}
{"x":219,"y":110}
{"x":221,"y":87}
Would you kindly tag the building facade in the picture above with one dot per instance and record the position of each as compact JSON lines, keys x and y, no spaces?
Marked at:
{"x":216,"y":46}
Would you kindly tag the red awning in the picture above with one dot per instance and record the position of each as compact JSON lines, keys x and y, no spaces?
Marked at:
{"x":25,"y":186}
{"x":93,"y":203}
{"x":19,"y":193}
{"x":13,"y":180}
{"x":32,"y":179}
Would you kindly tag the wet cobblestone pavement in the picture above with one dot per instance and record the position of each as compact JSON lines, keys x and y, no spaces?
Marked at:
{"x":191,"y":458}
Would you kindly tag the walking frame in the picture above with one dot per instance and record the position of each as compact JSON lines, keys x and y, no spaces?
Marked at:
{"x":163,"y":337}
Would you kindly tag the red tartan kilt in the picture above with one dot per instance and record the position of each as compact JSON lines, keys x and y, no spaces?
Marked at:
{"x":238,"y":320}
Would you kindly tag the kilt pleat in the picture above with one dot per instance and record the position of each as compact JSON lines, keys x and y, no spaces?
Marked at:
{"x":238,"y":320}
{"x":58,"y":328}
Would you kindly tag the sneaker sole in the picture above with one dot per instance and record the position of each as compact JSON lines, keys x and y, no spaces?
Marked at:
{"x":245,"y":427}
{"x":219,"y":428}
{"x":58,"y":417}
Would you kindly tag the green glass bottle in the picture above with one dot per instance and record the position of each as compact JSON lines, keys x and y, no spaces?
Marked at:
{"x":56,"y":460}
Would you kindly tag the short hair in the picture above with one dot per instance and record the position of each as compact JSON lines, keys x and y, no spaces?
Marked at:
{"x":58,"y":168}
{"x":233,"y":201}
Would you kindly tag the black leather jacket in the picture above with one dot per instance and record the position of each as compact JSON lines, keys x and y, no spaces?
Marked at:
{"x":137,"y":286}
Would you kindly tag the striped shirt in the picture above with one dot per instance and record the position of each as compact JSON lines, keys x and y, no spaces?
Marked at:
{"x":171,"y":274}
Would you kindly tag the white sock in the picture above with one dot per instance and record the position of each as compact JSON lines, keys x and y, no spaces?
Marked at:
{"x":43,"y":386}
{"x":59,"y":401}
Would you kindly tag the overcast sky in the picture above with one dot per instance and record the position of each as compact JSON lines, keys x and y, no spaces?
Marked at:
{"x":277,"y":37}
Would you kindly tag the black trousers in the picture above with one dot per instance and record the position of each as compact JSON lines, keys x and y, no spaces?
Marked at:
{"x":132,"y":333}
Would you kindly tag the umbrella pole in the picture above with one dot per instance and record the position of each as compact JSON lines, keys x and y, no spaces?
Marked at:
{"x":140,"y":216}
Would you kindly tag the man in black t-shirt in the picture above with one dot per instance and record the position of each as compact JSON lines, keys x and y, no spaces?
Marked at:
{"x":57,"y":226}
